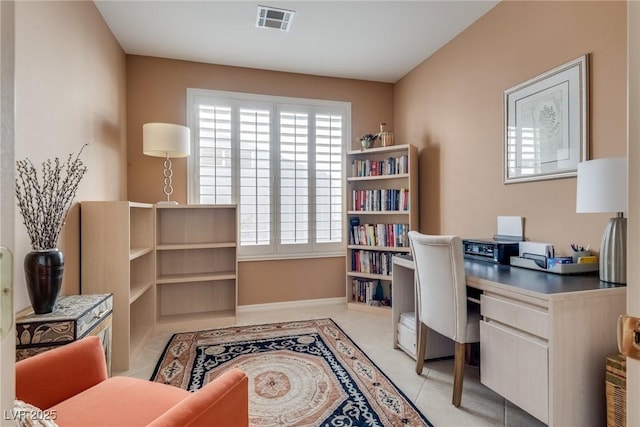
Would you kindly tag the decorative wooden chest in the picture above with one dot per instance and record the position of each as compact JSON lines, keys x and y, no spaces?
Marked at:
{"x":73,"y":317}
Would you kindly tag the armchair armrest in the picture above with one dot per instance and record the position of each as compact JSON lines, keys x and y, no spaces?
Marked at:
{"x":49,"y":378}
{"x":223,"y":402}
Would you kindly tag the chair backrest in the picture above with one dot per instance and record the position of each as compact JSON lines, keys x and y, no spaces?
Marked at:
{"x":440,"y":283}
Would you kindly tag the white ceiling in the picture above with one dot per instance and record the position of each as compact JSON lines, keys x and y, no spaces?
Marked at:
{"x":368,"y":40}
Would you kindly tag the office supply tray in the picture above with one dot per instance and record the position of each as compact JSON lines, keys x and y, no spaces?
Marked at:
{"x":557,"y":269}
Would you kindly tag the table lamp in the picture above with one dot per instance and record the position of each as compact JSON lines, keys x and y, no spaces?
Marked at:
{"x":168,"y":141}
{"x":602,"y":187}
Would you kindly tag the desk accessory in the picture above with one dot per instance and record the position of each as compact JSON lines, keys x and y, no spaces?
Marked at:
{"x":541,"y":256}
{"x":572,"y":268}
{"x":602,"y":187}
{"x":502,"y":246}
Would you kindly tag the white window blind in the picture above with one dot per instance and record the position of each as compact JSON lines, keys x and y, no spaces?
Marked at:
{"x":329,"y":154}
{"x":294,"y":178}
{"x":281,"y":160}
{"x":215,"y":154}
{"x":255,"y":176}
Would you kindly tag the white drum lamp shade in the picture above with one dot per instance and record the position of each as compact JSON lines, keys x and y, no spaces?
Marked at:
{"x":165,"y":139}
{"x":602,"y":187}
{"x":169,"y":141}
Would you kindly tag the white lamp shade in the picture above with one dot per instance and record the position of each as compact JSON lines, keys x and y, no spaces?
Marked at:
{"x":602,"y":185}
{"x":166,"y":140}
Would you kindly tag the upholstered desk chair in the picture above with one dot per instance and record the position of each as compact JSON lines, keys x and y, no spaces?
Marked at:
{"x":441,"y":292}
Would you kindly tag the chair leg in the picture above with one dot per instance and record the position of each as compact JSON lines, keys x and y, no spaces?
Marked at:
{"x":422,"y":347}
{"x":458,"y":373}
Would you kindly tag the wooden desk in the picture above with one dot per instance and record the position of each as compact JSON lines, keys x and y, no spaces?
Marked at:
{"x":544,"y":338}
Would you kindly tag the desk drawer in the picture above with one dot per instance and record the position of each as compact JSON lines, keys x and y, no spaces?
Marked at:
{"x":517,"y":367}
{"x":519,"y":315}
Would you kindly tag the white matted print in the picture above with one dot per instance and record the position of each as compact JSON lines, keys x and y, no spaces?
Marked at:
{"x":546,"y":129}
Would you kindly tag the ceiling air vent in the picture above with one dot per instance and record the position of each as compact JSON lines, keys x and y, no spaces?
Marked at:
{"x":272,"y":17}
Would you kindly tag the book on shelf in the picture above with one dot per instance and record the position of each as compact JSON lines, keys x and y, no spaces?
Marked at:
{"x":369,"y":292}
{"x":371,"y":262}
{"x":392,"y":235}
{"x":371,"y":167}
{"x":381,"y":200}
{"x":354,"y":222}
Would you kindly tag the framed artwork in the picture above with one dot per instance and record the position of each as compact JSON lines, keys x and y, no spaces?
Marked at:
{"x":545,"y":124}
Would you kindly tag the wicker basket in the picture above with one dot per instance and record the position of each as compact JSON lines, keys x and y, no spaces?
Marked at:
{"x":616,"y":390}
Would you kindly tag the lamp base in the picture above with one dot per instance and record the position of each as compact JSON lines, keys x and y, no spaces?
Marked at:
{"x":613,"y":251}
{"x":167,"y":202}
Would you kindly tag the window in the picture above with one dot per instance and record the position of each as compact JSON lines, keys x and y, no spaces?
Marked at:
{"x":281,"y":160}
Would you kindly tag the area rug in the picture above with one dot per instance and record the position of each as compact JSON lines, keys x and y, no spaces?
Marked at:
{"x":305,"y":373}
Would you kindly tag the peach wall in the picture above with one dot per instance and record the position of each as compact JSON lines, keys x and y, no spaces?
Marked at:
{"x":450,"y":106}
{"x":157,"y":92}
{"x":70,"y":89}
{"x":305,"y":279}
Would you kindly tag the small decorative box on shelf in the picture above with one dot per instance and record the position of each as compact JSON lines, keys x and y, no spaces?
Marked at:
{"x":72,"y":318}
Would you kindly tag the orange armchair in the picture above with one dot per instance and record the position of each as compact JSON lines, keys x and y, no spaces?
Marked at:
{"x":71,"y":383}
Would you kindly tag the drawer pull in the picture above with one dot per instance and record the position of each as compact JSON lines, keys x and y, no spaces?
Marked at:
{"x":99,"y":315}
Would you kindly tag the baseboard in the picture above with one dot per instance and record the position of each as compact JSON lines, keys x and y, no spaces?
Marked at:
{"x":289,"y":304}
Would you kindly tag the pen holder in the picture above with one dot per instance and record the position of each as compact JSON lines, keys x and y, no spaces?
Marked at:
{"x":577,"y":254}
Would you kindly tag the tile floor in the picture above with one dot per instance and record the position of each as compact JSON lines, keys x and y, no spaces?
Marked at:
{"x":431,"y":391}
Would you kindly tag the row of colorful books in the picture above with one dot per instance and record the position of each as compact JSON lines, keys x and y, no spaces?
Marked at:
{"x":388,"y":166}
{"x":373,"y":262}
{"x":380,"y":200}
{"x":393,"y":235}
{"x":366,"y":290}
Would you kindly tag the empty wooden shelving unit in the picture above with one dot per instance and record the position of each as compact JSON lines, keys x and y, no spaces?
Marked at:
{"x":196,"y":259}
{"x":118,"y":256}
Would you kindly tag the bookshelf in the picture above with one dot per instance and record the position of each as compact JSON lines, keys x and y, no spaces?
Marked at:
{"x":196,"y":272}
{"x":382,"y":206}
{"x":118,"y":256}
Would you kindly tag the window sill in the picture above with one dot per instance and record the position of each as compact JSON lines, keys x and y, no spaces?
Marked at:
{"x":280,"y":257}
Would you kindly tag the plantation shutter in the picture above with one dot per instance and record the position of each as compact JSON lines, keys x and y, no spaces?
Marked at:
{"x":215,"y":154}
{"x":280,"y":160}
{"x":294,"y":178}
{"x":255,"y":176}
{"x":329,"y":136}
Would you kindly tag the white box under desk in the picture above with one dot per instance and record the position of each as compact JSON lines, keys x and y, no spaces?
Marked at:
{"x":403,"y":307}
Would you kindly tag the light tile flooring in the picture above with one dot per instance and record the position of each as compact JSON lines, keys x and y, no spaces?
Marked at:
{"x":431,"y":391}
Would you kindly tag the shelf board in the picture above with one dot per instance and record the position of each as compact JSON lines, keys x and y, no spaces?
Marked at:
{"x":368,"y":275}
{"x":360,"y":306}
{"x":377,"y":150}
{"x":195,"y":206}
{"x":378,"y":212}
{"x":138,"y":252}
{"x":188,"y":321}
{"x":378,"y":177}
{"x":137,"y":338}
{"x":381,"y":248}
{"x":138,"y":289}
{"x":140,"y":205}
{"x":195,"y":277}
{"x":183,"y":246}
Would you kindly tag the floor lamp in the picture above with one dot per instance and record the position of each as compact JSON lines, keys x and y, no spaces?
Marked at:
{"x":602,"y":187}
{"x":168,"y":141}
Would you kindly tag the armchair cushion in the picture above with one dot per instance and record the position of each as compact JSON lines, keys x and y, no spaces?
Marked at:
{"x":71,"y":382}
{"x":49,"y":378}
{"x":121,"y":401}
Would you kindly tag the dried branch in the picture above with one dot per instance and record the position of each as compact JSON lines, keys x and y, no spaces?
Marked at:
{"x":44,"y":203}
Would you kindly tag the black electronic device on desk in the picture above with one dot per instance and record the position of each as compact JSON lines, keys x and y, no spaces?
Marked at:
{"x":503,"y":245}
{"x":497,"y":250}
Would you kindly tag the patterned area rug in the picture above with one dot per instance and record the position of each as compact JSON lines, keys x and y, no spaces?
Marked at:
{"x":306,"y":373}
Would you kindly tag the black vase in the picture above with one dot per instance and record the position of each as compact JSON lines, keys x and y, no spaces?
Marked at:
{"x":43,"y":272}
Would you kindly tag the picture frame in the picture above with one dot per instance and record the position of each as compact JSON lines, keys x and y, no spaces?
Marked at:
{"x":546,"y":124}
